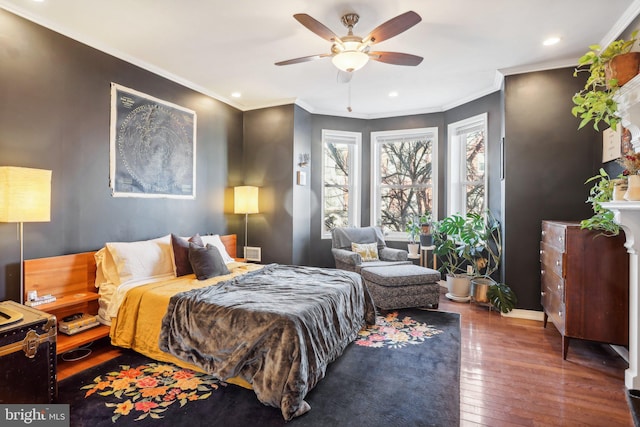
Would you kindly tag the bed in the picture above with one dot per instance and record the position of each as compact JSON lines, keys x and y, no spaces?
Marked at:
{"x":272,"y":328}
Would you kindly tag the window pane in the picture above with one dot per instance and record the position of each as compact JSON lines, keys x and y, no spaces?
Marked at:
{"x":475,"y":156}
{"x":475,"y":198}
{"x":405,"y":162}
{"x":336,"y":169}
{"x":400,"y":205}
{"x":340,"y":198}
{"x":336,"y":208}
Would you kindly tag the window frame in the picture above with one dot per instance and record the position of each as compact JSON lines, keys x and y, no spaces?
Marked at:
{"x":456,"y":184}
{"x":376,"y":196}
{"x":354,"y":140}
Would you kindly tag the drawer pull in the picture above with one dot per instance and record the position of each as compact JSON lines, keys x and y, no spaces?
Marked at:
{"x":544,"y":233}
{"x":542,"y":293}
{"x":542,"y":272}
{"x":560,"y":239}
{"x":559,"y":287}
{"x":557,"y":263}
{"x":559,"y":314}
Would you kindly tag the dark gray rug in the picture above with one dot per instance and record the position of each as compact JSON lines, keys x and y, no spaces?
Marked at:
{"x":403,"y":372}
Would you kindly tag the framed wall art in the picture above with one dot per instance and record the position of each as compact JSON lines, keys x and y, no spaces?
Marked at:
{"x":152,"y":147}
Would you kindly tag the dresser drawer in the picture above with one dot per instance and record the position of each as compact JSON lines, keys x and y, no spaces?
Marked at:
{"x":554,"y":235}
{"x":551,"y":283}
{"x":552,"y":298}
{"x":552,"y":259}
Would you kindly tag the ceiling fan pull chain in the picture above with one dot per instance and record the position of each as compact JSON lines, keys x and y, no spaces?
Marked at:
{"x":349,"y":98}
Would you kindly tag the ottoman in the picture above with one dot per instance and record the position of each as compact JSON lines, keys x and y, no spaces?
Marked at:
{"x":402,"y":286}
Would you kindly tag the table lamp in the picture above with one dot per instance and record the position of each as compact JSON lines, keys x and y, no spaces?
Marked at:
{"x":245,"y":201}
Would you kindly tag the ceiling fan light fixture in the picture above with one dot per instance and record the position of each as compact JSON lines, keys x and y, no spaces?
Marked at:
{"x":350,"y":60}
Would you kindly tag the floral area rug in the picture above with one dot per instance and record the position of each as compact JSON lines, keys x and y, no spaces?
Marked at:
{"x":402,"y":371}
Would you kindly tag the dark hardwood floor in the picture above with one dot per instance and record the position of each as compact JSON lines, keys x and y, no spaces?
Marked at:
{"x":512,"y":374}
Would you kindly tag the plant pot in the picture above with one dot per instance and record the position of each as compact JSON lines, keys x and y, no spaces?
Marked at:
{"x":623,"y":67}
{"x":459,"y":285}
{"x":413,"y":250}
{"x":633,"y":189}
{"x":426,"y":239}
{"x":620,"y":187}
{"x":479,"y":288}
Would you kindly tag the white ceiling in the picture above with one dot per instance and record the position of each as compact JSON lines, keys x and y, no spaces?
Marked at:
{"x":218,"y":47}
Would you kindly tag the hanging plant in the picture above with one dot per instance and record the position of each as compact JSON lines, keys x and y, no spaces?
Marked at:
{"x":595,"y":101}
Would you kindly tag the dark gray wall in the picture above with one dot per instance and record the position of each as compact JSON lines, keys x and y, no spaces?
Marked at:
{"x":547,"y":161}
{"x":54,"y":114}
{"x":269,"y":164}
{"x":302,"y":206}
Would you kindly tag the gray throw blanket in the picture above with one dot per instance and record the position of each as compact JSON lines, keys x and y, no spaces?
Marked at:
{"x":343,"y":237}
{"x":278,"y":328}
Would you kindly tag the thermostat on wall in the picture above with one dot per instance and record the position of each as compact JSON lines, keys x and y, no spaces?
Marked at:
{"x":252,"y":253}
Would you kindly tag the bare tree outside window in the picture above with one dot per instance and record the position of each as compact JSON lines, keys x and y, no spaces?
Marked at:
{"x":336,"y":185}
{"x":340,"y":189}
{"x":467,"y":160}
{"x":405,"y":184}
{"x":475,"y":173}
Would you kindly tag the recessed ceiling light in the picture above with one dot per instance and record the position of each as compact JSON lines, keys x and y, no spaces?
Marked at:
{"x":551,"y":41}
{"x":236,"y":94}
{"x":393,"y":94}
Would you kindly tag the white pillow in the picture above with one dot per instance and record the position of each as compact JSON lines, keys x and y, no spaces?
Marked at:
{"x":106,"y":271}
{"x":215,"y":241}
{"x":142,"y":259}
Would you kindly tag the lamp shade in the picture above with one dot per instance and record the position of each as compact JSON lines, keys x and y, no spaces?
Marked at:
{"x":351,"y":57}
{"x":245,"y":199}
{"x":25,"y":194}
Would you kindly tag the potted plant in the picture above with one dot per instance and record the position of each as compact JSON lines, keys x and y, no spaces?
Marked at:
{"x":455,"y":242}
{"x":413,"y":229}
{"x":426,"y":238}
{"x":473,"y":244}
{"x":607,"y":73}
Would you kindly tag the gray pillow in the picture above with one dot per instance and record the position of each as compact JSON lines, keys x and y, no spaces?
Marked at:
{"x":181,"y":253}
{"x":206,"y":261}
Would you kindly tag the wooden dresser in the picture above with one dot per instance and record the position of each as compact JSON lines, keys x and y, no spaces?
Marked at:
{"x":584,"y":283}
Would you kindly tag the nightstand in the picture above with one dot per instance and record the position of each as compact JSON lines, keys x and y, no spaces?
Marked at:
{"x":69,"y":279}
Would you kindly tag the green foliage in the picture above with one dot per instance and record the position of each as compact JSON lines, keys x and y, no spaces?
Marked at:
{"x":413,"y":228}
{"x":595,"y":101}
{"x":603,"y":218}
{"x":474,"y":240}
{"x":501,"y":296}
{"x":468,"y":240}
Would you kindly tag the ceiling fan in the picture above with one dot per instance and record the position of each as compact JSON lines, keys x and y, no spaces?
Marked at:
{"x":351,"y":52}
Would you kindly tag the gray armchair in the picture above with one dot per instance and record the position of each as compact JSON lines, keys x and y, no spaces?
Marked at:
{"x":346,"y":259}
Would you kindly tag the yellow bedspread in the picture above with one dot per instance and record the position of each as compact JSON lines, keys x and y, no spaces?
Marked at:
{"x":140,"y":316}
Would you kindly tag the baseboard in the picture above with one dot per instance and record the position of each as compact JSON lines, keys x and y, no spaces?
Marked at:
{"x":519,"y":313}
{"x":516,"y":313}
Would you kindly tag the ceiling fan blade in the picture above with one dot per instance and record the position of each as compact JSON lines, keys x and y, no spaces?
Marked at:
{"x":316,"y":27}
{"x":396,"y":58}
{"x":303,"y":59}
{"x":393,"y":27}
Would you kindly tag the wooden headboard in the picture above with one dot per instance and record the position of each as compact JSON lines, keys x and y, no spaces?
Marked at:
{"x":67,"y":276}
